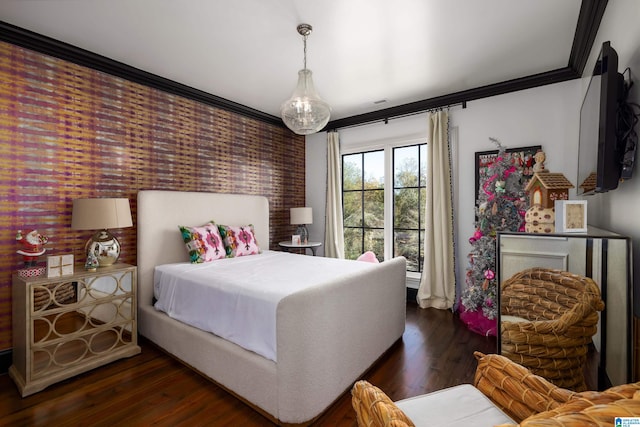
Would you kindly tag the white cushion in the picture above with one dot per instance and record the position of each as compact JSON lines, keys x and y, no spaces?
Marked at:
{"x":459,"y":406}
{"x":512,"y":319}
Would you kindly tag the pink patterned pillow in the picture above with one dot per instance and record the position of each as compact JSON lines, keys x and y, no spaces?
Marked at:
{"x":204,"y":243}
{"x":239,"y":241}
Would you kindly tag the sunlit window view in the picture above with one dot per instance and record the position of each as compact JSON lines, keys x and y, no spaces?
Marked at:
{"x":363,"y":203}
{"x":363,"y":183}
{"x":409,"y":195}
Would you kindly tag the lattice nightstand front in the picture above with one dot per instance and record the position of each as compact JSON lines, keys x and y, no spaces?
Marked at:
{"x":68,"y":325}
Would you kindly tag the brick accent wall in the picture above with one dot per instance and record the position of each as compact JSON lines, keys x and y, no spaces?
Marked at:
{"x":67,"y":131}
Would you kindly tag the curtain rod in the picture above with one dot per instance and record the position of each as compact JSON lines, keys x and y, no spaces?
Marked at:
{"x":399,"y":116}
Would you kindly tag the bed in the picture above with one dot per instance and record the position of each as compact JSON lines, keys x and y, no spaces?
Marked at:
{"x":326,"y":336}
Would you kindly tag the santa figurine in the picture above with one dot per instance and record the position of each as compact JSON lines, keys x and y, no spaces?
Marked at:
{"x":32,"y":246}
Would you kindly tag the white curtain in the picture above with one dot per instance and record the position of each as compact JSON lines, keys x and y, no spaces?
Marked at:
{"x":438,"y":283}
{"x":333,"y":231}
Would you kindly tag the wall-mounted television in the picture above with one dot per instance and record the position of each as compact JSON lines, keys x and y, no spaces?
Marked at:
{"x":602,"y":143}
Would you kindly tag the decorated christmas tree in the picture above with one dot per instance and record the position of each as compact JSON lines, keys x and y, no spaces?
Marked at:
{"x":501,"y":206}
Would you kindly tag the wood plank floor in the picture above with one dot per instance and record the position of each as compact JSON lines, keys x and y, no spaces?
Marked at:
{"x":153,"y":389}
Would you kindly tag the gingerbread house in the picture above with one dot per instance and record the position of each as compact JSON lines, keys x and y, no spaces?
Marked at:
{"x":546,"y":187}
{"x":589,"y":184}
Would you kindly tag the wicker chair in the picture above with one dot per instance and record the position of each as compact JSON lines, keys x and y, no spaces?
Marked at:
{"x":375,"y":409}
{"x":528,"y":399}
{"x":552,"y":316}
{"x":533,"y":401}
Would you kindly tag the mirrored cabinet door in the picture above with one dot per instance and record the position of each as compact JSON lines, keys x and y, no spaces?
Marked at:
{"x":566,"y":306}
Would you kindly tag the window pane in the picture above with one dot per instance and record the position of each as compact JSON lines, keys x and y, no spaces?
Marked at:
{"x":405,"y":167}
{"x":406,"y":244}
{"x":352,"y":172}
{"x":352,"y":243}
{"x":423,"y":205}
{"x":364,"y":207}
{"x":421,"y":260}
{"x":406,"y":208}
{"x":374,"y":169}
{"x":352,"y":208}
{"x":374,"y":208}
{"x":423,"y":165}
{"x":374,"y":241}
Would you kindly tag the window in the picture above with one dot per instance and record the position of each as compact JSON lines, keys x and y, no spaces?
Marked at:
{"x":363,"y":203}
{"x":409,"y":196}
{"x":387,"y":224}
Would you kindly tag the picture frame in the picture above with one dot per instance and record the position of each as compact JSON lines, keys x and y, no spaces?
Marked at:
{"x":571,"y":216}
{"x":59,"y":265}
{"x":295,"y":239}
{"x":523,"y":161}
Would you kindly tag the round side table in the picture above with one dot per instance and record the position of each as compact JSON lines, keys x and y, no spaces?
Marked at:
{"x":287,"y":246}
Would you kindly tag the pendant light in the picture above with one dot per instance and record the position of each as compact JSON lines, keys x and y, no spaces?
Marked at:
{"x":305,"y":112}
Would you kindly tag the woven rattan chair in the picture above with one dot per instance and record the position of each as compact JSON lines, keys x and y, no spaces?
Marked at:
{"x":528,"y":399}
{"x":375,"y":409}
{"x":557,"y":316}
{"x":533,"y":401}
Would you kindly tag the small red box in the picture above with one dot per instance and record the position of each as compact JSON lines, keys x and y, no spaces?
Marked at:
{"x":31,"y":272}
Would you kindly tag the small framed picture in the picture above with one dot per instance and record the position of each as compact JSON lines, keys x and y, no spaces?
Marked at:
{"x":571,"y":216}
{"x":295,"y":239}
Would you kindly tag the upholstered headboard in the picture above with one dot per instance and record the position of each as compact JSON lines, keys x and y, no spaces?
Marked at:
{"x":160,"y":213}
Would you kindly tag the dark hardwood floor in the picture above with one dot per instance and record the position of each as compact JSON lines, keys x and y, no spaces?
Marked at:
{"x":436,"y":351}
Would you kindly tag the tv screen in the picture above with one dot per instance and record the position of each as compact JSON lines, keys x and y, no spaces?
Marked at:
{"x":600,"y":153}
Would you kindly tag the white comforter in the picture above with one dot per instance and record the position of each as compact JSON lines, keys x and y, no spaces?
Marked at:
{"x":237,"y":298}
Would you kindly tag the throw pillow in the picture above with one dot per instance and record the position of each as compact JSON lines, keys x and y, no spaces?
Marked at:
{"x":368,"y":256}
{"x":203,"y":243}
{"x":239,"y":241}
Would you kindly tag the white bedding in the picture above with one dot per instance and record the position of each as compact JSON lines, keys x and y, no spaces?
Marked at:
{"x":237,"y":298}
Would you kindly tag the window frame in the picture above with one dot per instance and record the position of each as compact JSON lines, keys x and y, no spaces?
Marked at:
{"x":387,"y":146}
{"x":363,"y":191}
{"x":419,"y":187}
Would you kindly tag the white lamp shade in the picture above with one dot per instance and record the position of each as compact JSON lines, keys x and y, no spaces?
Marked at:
{"x":100,"y":214}
{"x":301,"y":216}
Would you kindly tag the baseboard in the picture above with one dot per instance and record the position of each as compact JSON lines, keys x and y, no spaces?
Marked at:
{"x":5,"y":361}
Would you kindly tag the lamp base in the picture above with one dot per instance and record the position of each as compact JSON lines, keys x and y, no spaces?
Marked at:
{"x":104,"y":247}
{"x":304,"y":233}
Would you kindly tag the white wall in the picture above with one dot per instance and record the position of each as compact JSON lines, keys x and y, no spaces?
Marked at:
{"x":316,"y":184}
{"x":547,"y":116}
{"x":619,"y":210}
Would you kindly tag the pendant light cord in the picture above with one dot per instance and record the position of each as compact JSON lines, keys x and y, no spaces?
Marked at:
{"x":304,"y":38}
{"x":304,"y":30}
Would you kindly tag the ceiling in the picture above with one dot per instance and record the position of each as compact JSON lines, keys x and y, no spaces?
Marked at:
{"x":366,"y":55}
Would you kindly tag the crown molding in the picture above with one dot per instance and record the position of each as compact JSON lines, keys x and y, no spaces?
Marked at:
{"x":589,"y":19}
{"x":462,"y":97}
{"x":33,"y":41}
{"x":590,"y":16}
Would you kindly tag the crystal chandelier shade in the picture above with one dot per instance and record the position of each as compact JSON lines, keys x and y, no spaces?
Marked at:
{"x":305,"y":112}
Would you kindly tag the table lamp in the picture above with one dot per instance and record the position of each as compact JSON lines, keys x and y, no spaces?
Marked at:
{"x":301,"y":217}
{"x":101,"y":214}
